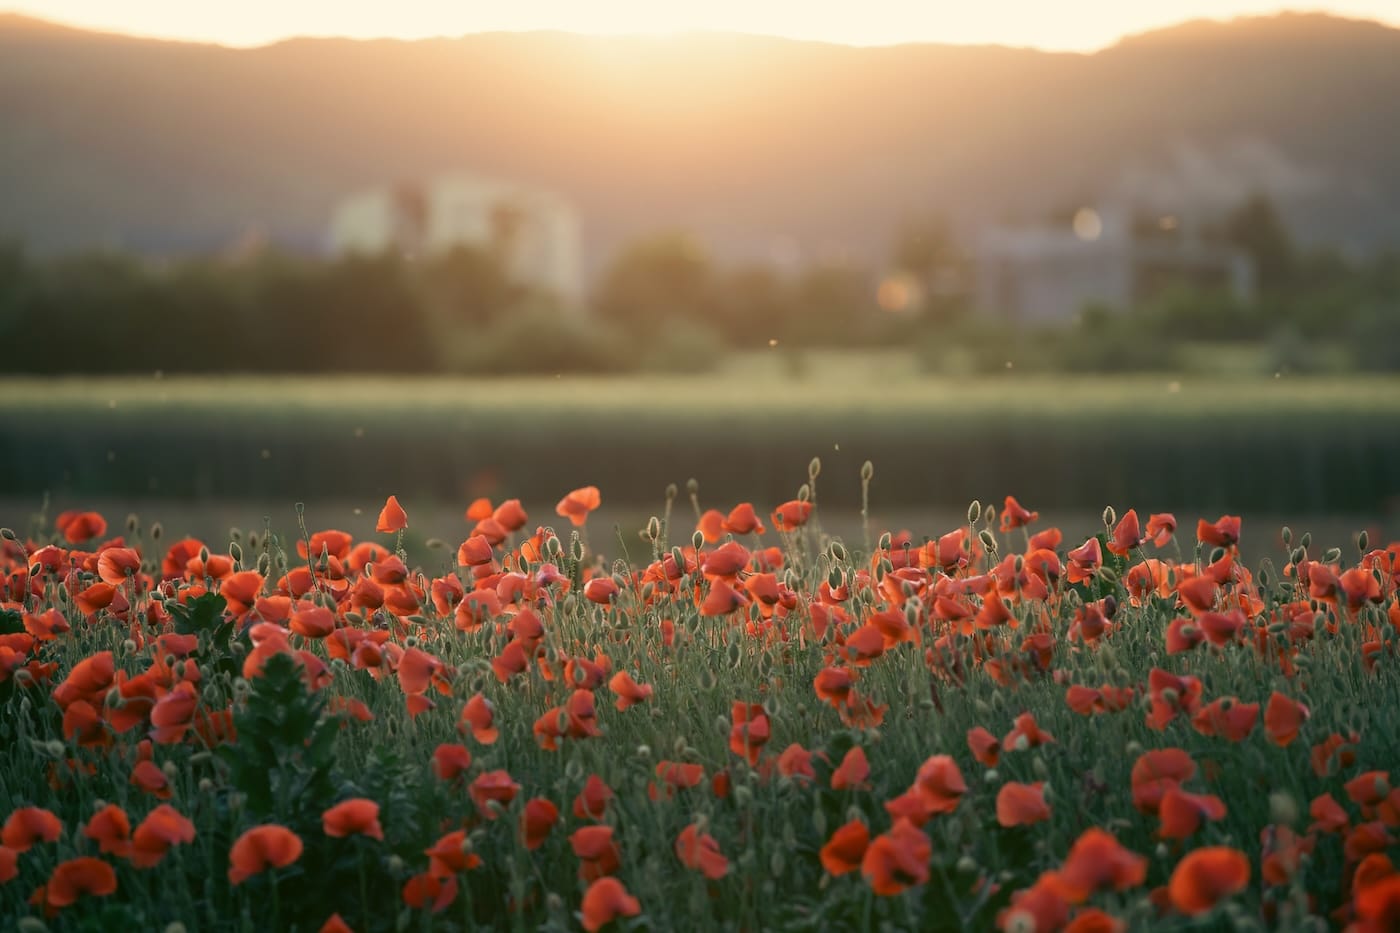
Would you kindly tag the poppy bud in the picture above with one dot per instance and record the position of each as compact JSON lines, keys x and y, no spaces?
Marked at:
{"x":885,"y":540}
{"x":643,"y":751}
{"x":1110,"y":517}
{"x":1217,"y":554}
{"x":576,"y":546}
{"x":867,"y":471}
{"x":743,"y":796}
{"x":1297,"y":556}
{"x":991,"y":776}
{"x":1306,"y":540}
{"x":395,"y":864}
{"x":1362,"y":540}
{"x":8,"y":534}
{"x":697,"y":541}
{"x":988,"y":540}
{"x":1283,"y":809}
{"x":1332,"y":555}
{"x":1286,"y":535}
{"x":30,"y":925}
{"x":671,"y":492}
{"x":838,"y":552}
{"x":692,"y":486}
{"x":804,"y":493}
{"x":653,"y":528}
{"x":204,"y":555}
{"x":128,"y":646}
{"x":814,"y":469}
{"x":974,"y":512}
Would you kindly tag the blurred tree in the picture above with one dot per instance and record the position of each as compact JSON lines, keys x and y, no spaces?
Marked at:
{"x":469,"y":286}
{"x":753,"y":304}
{"x":656,"y":280}
{"x":1256,"y":227}
{"x":836,"y":306}
{"x":928,"y":250}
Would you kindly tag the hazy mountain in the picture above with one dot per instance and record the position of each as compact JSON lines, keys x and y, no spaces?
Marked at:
{"x":167,"y":146}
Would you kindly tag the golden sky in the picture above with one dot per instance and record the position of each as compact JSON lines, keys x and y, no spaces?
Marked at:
{"x":1050,"y":24}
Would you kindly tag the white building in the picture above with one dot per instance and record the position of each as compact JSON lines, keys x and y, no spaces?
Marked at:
{"x":535,"y":233}
{"x":1046,"y":274}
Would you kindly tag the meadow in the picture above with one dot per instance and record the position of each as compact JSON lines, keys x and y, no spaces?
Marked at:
{"x":1291,"y":445}
{"x":741,"y":724}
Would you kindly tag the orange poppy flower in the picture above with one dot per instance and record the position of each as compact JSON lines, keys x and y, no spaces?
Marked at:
{"x":451,"y":854}
{"x":845,"y":850}
{"x":1014,"y":515}
{"x":28,"y":825}
{"x":1022,"y":804}
{"x":601,"y":590}
{"x":1223,"y":532}
{"x":984,"y":746}
{"x":854,"y":771}
{"x":750,"y":731}
{"x":536,"y":821}
{"x":1283,"y":717}
{"x":392,"y":517}
{"x":115,"y":565}
{"x":78,"y":527}
{"x":1227,"y":718}
{"x":1094,"y":920}
{"x":597,"y":852}
{"x":261,"y":848}
{"x":796,"y":762}
{"x":478,"y":715}
{"x":1378,"y":905}
{"x":1157,"y":771}
{"x":592,"y":802}
{"x":1127,"y":534}
{"x":940,"y":784}
{"x":76,"y":877}
{"x":1160,"y":528}
{"x":700,"y":851}
{"x":450,"y":761}
{"x":742,"y":520}
{"x":1084,"y":561}
{"x":629,"y":692}
{"x":476,"y":551}
{"x":356,"y":816}
{"x":1095,"y":862}
{"x":492,"y":785}
{"x":577,"y":504}
{"x":9,"y":864}
{"x":833,"y":685}
{"x":335,"y":923}
{"x":604,"y":901}
{"x":428,"y":891}
{"x":1182,"y":813}
{"x":711,"y":525}
{"x":111,"y":830}
{"x":791,"y":514}
{"x":722,"y":600}
{"x":162,"y":828}
{"x":897,"y":860}
{"x":1205,"y":877}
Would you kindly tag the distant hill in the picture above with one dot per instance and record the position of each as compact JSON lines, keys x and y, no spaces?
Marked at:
{"x":177,"y":147}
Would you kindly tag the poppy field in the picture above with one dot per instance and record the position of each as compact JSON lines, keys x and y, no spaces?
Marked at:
{"x":726,"y":720}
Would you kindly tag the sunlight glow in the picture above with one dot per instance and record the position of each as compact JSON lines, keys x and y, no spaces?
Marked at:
{"x":1079,"y":25}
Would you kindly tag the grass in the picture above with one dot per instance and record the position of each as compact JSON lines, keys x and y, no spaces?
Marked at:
{"x":1286,"y":445}
{"x":917,"y":694}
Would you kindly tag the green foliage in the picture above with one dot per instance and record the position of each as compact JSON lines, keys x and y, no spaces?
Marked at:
{"x":285,"y":756}
{"x":221,"y":646}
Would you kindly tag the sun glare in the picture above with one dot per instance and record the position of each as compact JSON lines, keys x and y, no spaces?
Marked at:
{"x":1078,"y":25}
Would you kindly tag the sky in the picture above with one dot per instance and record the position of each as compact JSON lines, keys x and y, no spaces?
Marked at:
{"x":1061,"y":25}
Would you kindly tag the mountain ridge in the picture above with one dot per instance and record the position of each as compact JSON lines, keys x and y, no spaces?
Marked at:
{"x":163,"y":146}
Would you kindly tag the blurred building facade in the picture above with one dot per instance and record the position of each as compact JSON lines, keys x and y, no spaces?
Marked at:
{"x":1113,"y":256}
{"x":534,"y":234}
